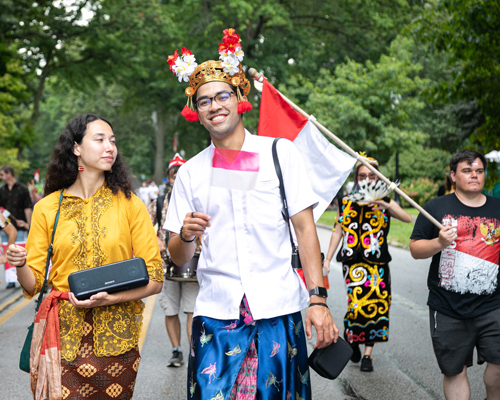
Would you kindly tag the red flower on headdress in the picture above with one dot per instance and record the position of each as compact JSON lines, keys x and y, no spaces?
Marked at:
{"x":229,"y":47}
{"x":186,"y":52}
{"x":230,"y":41}
{"x":171,"y":59}
{"x":230,"y":33}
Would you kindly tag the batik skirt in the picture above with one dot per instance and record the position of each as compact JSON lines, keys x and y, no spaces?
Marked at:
{"x":247,"y":359}
{"x":368,"y":289}
{"x":98,"y":378}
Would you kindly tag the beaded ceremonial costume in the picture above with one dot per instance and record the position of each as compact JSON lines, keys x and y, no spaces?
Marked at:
{"x":364,"y":255}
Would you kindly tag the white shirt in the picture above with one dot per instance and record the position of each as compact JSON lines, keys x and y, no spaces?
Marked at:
{"x":246,"y":250}
{"x":143,"y":194}
{"x":153,"y":192}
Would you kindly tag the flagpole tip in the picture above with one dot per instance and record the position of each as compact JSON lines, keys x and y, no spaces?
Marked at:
{"x":255,"y":74}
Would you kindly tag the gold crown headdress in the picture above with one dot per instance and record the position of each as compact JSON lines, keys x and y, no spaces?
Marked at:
{"x":227,"y":69}
{"x":371,"y":160}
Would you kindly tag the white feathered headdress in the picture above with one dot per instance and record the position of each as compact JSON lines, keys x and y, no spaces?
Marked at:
{"x":369,"y":191}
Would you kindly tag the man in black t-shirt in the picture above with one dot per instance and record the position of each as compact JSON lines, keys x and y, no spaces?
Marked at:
{"x":15,"y":197}
{"x":463,"y":281}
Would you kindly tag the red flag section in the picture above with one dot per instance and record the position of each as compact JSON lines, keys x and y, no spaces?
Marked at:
{"x":277,"y":118}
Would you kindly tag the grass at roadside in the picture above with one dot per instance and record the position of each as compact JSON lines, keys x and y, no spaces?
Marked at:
{"x":399,"y":234}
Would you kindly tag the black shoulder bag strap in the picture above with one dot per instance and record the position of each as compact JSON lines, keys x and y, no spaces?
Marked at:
{"x":50,"y":250}
{"x":24,"y":359}
{"x":295,"y":250}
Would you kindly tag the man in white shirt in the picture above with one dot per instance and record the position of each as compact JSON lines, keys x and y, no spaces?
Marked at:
{"x":143,"y":193}
{"x":153,"y":191}
{"x":247,"y":333}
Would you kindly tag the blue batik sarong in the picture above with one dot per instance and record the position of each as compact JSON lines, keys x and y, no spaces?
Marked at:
{"x":218,"y":348}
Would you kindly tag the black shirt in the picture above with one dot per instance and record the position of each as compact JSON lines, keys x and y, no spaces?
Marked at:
{"x":15,"y":201}
{"x":463,"y":278}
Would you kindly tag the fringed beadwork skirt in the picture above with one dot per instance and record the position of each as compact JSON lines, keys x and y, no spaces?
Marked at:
{"x":368,"y":289}
{"x":97,"y":378}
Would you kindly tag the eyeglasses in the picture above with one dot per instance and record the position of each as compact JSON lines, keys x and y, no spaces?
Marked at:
{"x":362,"y":177}
{"x":221,"y":99}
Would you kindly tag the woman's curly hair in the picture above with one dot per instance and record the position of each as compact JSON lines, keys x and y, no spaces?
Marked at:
{"x":62,"y":171}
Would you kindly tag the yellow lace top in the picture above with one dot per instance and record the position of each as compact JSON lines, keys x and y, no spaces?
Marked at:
{"x":91,"y":232}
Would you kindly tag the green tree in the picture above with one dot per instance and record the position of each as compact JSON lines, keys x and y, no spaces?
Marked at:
{"x":125,"y":43}
{"x":419,"y":162}
{"x":134,"y":131}
{"x":77,"y":42}
{"x":467,"y":31}
{"x":371,"y":105}
{"x":12,"y":91}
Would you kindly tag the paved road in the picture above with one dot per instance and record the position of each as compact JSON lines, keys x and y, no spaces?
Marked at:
{"x":405,"y":367}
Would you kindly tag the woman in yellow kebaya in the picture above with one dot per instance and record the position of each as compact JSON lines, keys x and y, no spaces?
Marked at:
{"x":101,"y":221}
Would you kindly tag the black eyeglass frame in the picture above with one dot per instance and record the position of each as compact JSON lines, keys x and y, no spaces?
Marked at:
{"x":213,"y":98}
{"x":370,"y":176}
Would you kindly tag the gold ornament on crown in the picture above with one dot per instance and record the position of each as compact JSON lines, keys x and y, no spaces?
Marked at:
{"x":213,"y":71}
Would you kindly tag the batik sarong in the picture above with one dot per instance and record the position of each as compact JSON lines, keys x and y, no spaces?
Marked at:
{"x":247,"y":359}
{"x":368,"y":302}
{"x":91,"y":377}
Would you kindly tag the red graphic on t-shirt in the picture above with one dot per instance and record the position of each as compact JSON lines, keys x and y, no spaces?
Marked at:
{"x":470,"y":264}
{"x":476,"y":236}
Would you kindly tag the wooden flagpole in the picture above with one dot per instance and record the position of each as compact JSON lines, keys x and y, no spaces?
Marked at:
{"x":259,"y":78}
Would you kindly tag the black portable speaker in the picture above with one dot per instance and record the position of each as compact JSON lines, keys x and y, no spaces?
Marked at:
{"x":110,"y":278}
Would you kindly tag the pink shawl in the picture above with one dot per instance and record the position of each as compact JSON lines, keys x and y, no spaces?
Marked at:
{"x":45,"y":361}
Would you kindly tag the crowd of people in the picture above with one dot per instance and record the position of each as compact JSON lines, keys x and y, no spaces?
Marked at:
{"x":223,"y":208}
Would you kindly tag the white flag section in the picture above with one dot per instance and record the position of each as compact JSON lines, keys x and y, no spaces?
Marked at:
{"x":239,"y":180}
{"x":327,"y":166}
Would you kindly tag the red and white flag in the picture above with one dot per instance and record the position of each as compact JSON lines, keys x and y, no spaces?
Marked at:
{"x":36,"y":175}
{"x":327,"y":166}
{"x":234,"y":169}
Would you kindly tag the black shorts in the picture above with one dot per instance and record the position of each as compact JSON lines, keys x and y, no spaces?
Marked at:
{"x":454,"y":340}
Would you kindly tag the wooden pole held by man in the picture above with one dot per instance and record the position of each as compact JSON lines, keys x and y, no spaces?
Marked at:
{"x":259,"y":78}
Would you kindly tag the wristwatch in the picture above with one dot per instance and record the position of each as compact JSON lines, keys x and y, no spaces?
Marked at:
{"x":319,"y":291}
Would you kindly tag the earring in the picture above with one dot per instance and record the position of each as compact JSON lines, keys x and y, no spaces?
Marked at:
{"x":80,"y":168}
{"x":110,"y":171}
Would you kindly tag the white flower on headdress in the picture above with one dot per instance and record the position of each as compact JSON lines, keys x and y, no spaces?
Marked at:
{"x":182,"y":66}
{"x":230,"y":63}
{"x":183,"y":70}
{"x":230,"y":67}
{"x":239,"y":54}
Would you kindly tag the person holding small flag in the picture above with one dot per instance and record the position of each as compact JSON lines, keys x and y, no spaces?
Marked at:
{"x":248,"y":336}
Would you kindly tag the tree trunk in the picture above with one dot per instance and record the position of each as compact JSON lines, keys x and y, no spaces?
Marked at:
{"x":159,"y":125}
{"x":39,"y":90}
